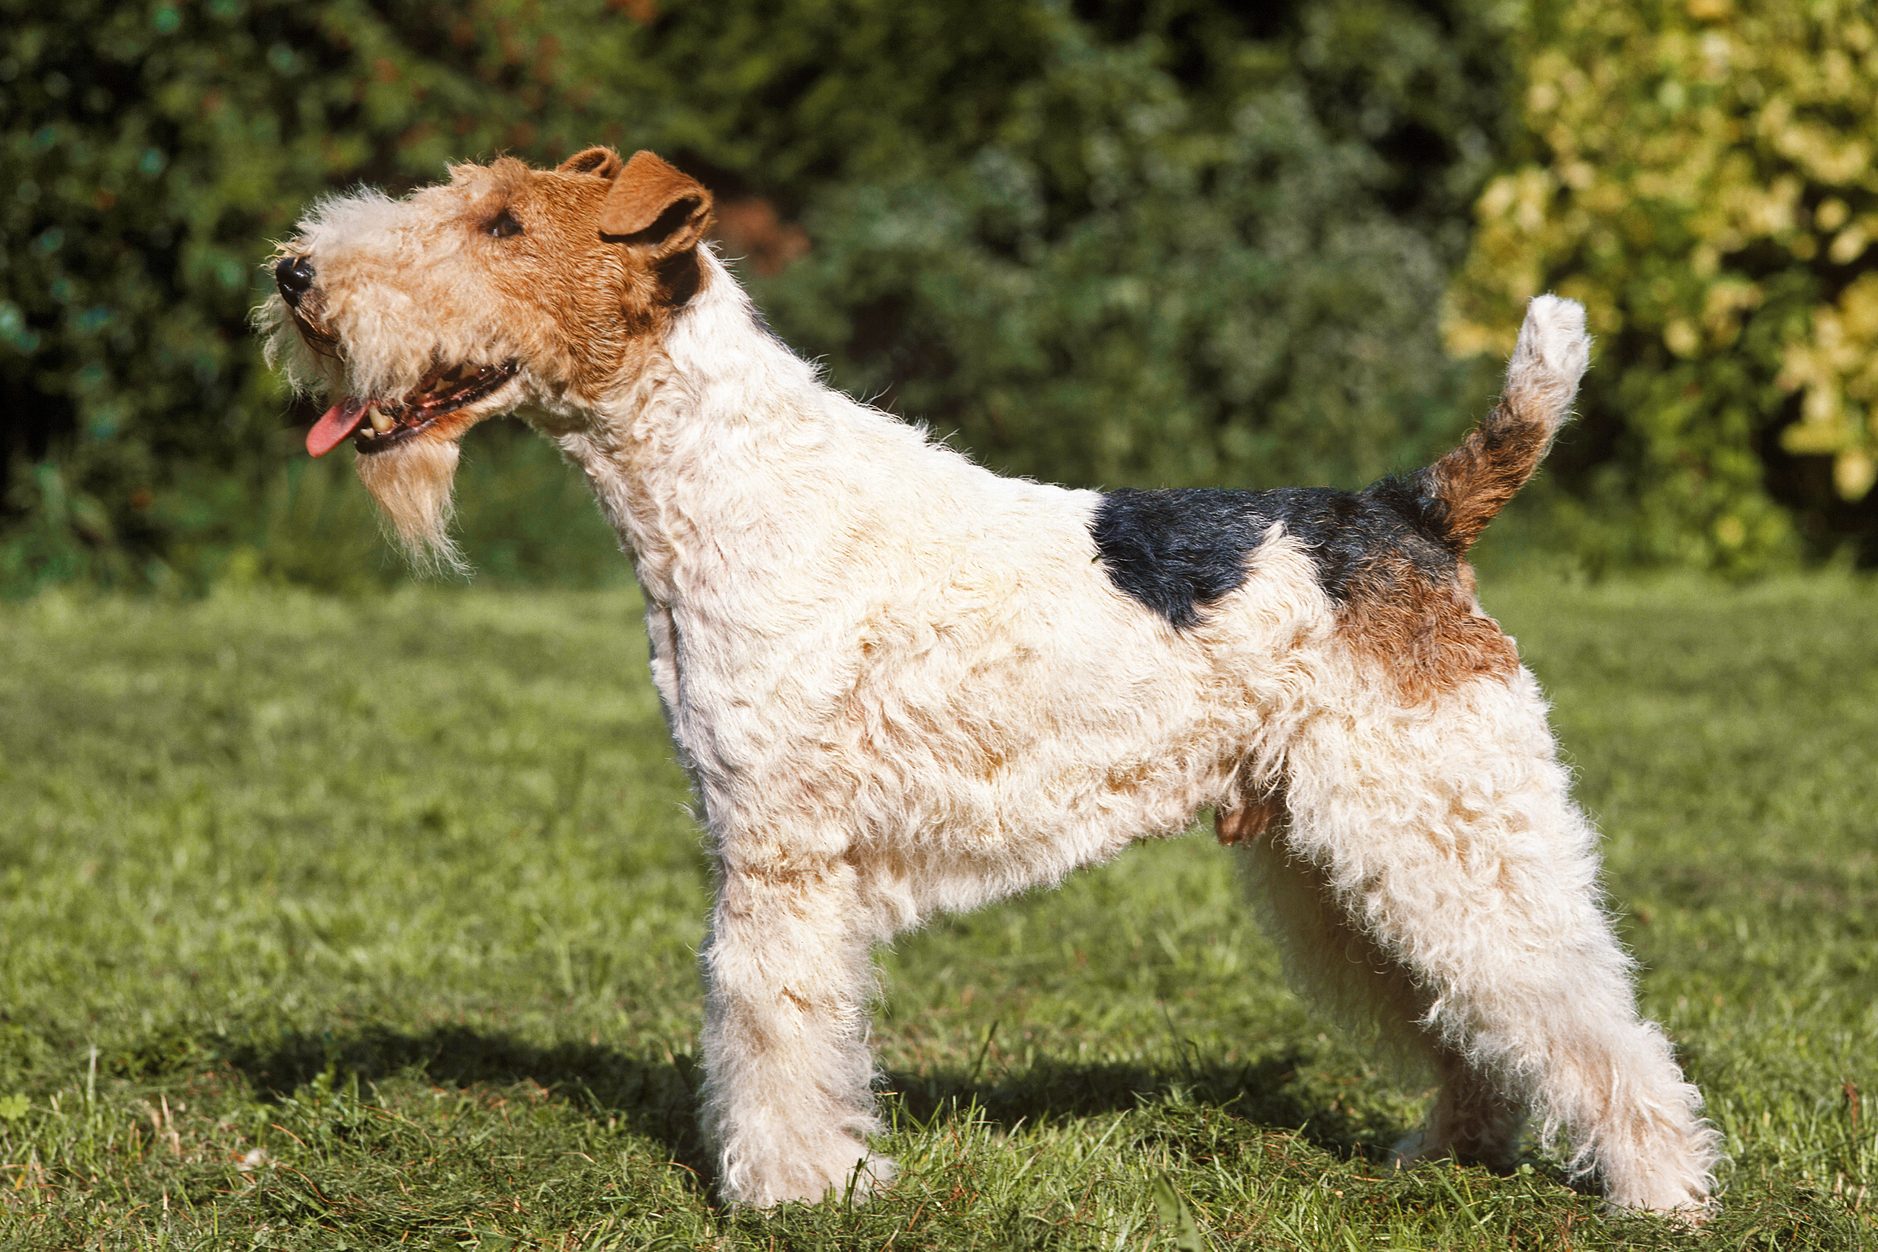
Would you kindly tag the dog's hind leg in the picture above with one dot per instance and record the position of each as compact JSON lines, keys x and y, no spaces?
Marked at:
{"x":1473,"y":1119}
{"x":788,"y":1099}
{"x":1449,"y":838}
{"x":1329,"y":960}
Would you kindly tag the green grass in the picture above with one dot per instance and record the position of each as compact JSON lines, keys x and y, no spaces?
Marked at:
{"x":338,"y":923}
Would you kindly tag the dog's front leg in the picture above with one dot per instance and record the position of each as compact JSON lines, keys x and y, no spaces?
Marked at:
{"x":788,"y":1098}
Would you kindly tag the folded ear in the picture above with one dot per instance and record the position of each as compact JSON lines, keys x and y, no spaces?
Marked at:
{"x":602,"y":161}
{"x":655,"y":207}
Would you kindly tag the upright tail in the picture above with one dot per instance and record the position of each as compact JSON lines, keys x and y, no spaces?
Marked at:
{"x":1470,"y":485}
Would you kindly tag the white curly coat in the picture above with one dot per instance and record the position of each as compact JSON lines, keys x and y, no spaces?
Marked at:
{"x":904,"y":684}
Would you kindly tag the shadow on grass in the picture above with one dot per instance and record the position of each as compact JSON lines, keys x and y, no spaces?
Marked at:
{"x":1269,"y":1093}
{"x":654,"y":1096}
{"x":657,"y":1096}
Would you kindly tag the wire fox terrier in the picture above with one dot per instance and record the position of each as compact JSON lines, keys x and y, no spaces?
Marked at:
{"x":903,"y":684}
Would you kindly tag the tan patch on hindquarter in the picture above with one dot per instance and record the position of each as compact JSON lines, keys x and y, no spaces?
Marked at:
{"x":1426,"y":637}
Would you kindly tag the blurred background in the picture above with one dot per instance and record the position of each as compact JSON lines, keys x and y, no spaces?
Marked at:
{"x":1152,"y":243}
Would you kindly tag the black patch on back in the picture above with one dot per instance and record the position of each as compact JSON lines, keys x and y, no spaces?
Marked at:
{"x":1178,"y":551}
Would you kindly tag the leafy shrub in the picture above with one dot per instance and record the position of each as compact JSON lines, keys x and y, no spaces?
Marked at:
{"x":1181,"y":255}
{"x":153,"y":150}
{"x":1702,"y":176}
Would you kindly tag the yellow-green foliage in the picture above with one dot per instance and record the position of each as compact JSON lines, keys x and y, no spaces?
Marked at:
{"x":1703,"y":180}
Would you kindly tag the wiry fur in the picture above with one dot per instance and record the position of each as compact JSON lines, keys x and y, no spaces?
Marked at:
{"x":902,"y":684}
{"x":414,"y":488}
{"x":1473,"y":483}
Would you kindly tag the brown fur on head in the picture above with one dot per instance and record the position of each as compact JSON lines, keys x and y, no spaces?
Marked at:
{"x":506,"y":288}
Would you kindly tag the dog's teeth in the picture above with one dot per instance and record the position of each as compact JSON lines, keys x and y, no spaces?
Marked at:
{"x":379,"y":421}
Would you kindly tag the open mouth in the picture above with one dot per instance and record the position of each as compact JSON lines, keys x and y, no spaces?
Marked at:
{"x":378,"y":424}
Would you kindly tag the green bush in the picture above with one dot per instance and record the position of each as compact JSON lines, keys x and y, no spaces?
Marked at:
{"x":153,"y":151}
{"x":1702,"y":176}
{"x":1175,"y":257}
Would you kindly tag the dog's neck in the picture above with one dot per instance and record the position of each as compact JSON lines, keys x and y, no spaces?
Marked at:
{"x":714,"y":464}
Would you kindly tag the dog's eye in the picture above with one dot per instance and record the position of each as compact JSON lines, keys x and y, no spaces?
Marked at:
{"x":504,"y":225}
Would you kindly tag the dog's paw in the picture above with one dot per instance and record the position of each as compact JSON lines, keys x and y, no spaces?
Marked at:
{"x":1499,"y":1154}
{"x":873,"y":1173}
{"x":840,"y":1176}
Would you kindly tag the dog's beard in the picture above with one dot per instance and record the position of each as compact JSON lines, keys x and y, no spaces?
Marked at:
{"x":412,"y":485}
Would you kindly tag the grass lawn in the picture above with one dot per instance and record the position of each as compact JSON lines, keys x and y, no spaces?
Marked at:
{"x":361,"y":923}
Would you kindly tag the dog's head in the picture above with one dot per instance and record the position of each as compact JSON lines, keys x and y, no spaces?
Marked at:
{"x":506,"y":288}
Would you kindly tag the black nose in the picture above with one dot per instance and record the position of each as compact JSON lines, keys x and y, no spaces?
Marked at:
{"x":293,"y":274}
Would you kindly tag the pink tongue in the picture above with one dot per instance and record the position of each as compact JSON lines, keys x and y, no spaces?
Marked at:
{"x":330,"y":431}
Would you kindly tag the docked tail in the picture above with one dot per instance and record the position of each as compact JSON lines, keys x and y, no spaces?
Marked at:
{"x":1470,"y":485}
